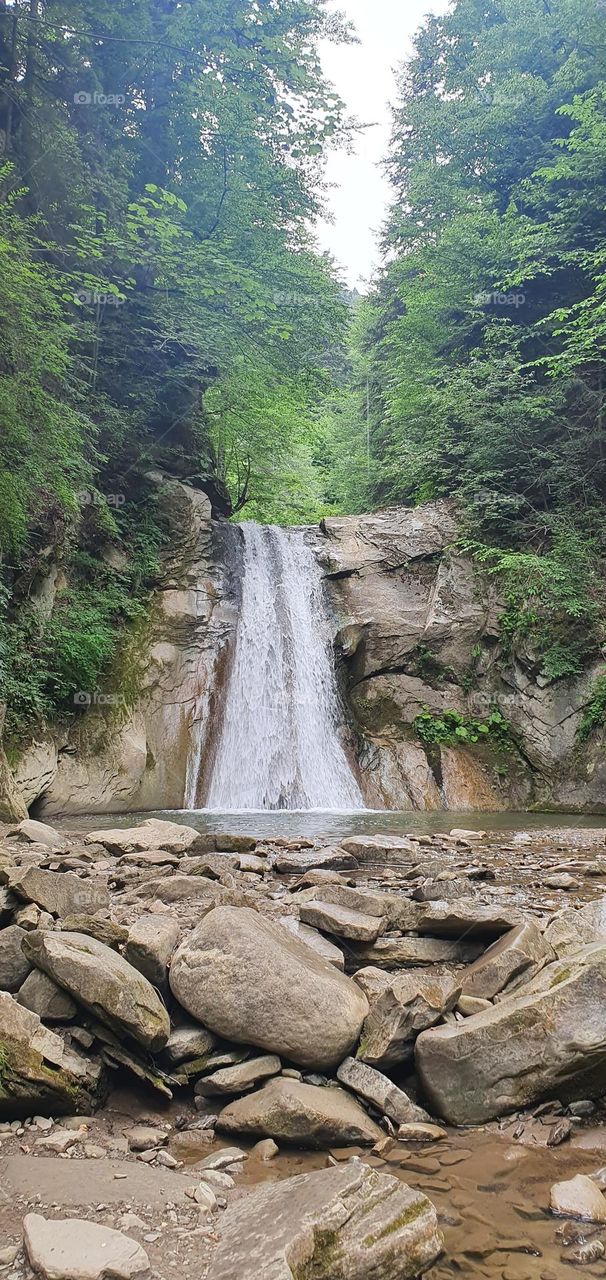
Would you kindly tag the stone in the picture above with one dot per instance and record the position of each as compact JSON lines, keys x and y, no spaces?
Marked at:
{"x":572,"y":928}
{"x":410,"y":1004}
{"x":42,"y":996}
{"x":222,"y":1159}
{"x":398,"y":911}
{"x":106,"y":931}
{"x":315,"y":940}
{"x":341,"y":921}
{"x":305,"y":1114}
{"x":60,"y":893}
{"x":41,"y":833}
{"x":251,"y":863}
{"x":579,"y":1197}
{"x":379,"y":849}
{"x":73,"y":1249}
{"x":39,"y":1074}
{"x":468,"y":1005}
{"x":516,"y":952}
{"x":548,"y":1041}
{"x":373,"y":981}
{"x":187,"y":1043}
{"x":103,"y":982}
{"x":14,"y":967}
{"x":396,"y":952}
{"x":265,"y":1150}
{"x":237,"y":1079}
{"x":151,"y":835}
{"x":249,"y":980}
{"x":150,"y":945}
{"x":144,"y":1137}
{"x":380,"y":1092}
{"x":467,"y":917}
{"x":300,"y":862}
{"x":463,"y":833}
{"x":348,"y":1222}
{"x":418,"y":1132}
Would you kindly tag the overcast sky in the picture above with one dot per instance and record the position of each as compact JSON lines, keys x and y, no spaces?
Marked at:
{"x":364,"y":76}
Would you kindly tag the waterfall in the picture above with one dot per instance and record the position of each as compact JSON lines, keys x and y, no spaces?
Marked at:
{"x":279,"y":745}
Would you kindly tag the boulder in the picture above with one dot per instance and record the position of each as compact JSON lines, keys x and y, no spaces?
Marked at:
{"x":152,"y":834}
{"x":150,"y":945}
{"x":398,"y":911}
{"x":341,"y":921}
{"x":411,"y":1003}
{"x":547,"y":1042}
{"x":249,"y":980}
{"x":467,"y":918}
{"x":103,"y":982}
{"x":73,"y":1249}
{"x":187,"y":1043}
{"x":579,"y":1197}
{"x":572,"y":928}
{"x":305,"y":1114}
{"x":380,"y":1092}
{"x":42,"y":996}
{"x":328,"y":859}
{"x":38,"y":1074}
{"x":395,"y":952}
{"x":41,"y":833}
{"x":522,"y":950}
{"x":106,"y":931}
{"x":239,"y":1078}
{"x":14,"y":967}
{"x":379,"y":849}
{"x":59,"y":892}
{"x":345,"y":1223}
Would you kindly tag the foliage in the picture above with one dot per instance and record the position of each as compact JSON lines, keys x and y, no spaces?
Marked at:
{"x":452,"y":729}
{"x":594,"y":717}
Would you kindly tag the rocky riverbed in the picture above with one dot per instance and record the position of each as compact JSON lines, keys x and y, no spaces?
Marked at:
{"x":223,"y":1056}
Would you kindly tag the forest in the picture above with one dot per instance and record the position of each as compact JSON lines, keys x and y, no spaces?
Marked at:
{"x":164,"y":307}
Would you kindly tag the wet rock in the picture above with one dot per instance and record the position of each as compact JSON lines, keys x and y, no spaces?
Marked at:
{"x":151,"y":835}
{"x":14,"y":967}
{"x":249,"y":980}
{"x":328,"y":859}
{"x":103,"y":982}
{"x":341,"y":921}
{"x":395,"y":952}
{"x":584,"y":1254}
{"x":521,"y":950}
{"x":550,"y":1041}
{"x":240,"y":1078}
{"x":38,"y":1073}
{"x":72,"y":1249}
{"x":380,"y":1092}
{"x":151,"y":942}
{"x":60,"y":893}
{"x":467,"y":917}
{"x":42,"y":996}
{"x":304,"y":1114}
{"x":410,"y":1004}
{"x":265,"y":1150}
{"x":578,"y":1198}
{"x":344,"y":1223}
{"x":315,"y":940}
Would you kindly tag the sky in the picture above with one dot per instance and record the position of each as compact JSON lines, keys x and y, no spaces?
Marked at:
{"x":364,"y":76}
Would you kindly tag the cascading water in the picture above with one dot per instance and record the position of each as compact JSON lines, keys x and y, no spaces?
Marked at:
{"x":279,"y":745}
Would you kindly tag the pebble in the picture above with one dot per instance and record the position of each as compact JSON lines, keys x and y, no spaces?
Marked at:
{"x":583,"y":1254}
{"x":266,"y":1149}
{"x":8,"y":1255}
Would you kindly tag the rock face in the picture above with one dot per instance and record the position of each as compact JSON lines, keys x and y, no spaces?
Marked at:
{"x":37,"y":1072}
{"x":547,"y":1042}
{"x":304,"y":1114}
{"x":415,"y":619}
{"x":347,"y":1223}
{"x":69,"y":1249}
{"x":250,"y":980}
{"x":103,"y":982}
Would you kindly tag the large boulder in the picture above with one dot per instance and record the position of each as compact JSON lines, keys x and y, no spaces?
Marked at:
{"x":305,"y":1114}
{"x":344,"y":1223}
{"x":252,"y":981}
{"x":14,"y":967}
{"x":103,"y":982}
{"x":152,"y":834}
{"x":411,"y":1003}
{"x":73,"y":1249}
{"x":61,"y":893}
{"x":521,"y":951}
{"x":574,"y":928}
{"x":547,"y":1042}
{"x":151,"y":942}
{"x":38,"y":1074}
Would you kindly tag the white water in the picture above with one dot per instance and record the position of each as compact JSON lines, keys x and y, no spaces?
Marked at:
{"x":279,"y":745}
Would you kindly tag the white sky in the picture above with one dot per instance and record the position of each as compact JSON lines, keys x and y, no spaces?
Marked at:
{"x":364,"y":76}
